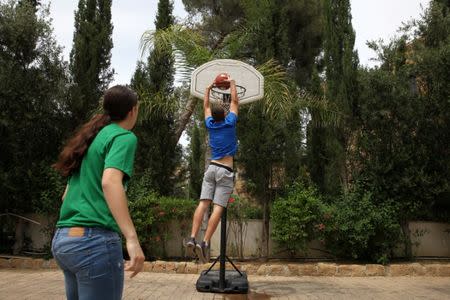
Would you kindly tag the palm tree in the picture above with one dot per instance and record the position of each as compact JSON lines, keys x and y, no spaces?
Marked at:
{"x":190,"y":49}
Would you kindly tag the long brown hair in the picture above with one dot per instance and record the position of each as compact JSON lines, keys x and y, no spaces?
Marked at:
{"x":117,"y":103}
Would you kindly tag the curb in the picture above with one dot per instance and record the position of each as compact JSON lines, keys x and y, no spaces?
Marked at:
{"x":435,"y":269}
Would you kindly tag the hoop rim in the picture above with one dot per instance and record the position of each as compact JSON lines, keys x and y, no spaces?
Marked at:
{"x":217,"y":90}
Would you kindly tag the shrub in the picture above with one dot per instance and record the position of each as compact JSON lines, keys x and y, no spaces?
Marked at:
{"x":152,"y":215}
{"x":356,"y":228}
{"x":241,"y":209}
{"x":49,"y":203}
{"x":296,"y":217}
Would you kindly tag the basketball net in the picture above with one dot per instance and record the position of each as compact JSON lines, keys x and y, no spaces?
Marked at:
{"x":223,"y":97}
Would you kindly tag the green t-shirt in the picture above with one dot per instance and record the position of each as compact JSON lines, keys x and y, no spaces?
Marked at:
{"x":85,"y":204}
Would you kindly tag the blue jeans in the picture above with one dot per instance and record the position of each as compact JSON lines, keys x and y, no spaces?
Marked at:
{"x":92,"y":262}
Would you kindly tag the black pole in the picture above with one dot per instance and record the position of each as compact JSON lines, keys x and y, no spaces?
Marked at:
{"x":223,"y":248}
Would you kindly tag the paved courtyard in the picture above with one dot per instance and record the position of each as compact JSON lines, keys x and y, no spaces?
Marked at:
{"x":49,"y":284}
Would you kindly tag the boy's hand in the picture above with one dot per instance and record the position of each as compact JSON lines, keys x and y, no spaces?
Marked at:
{"x":209,"y":87}
{"x":231,"y":80}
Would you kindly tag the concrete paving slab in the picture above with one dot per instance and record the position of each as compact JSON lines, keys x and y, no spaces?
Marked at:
{"x":49,"y":284}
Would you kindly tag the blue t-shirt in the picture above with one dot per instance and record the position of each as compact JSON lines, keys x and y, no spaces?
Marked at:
{"x":222,"y":136}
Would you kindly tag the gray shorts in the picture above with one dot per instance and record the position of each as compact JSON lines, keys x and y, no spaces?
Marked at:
{"x":218,"y":184}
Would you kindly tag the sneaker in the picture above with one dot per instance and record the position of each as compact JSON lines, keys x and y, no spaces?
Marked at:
{"x":203,"y":252}
{"x":190,"y":247}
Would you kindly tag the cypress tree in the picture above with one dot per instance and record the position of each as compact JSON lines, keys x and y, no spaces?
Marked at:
{"x":90,"y":58}
{"x":315,"y":139}
{"x":195,"y":163}
{"x":158,"y":153}
{"x":160,"y":61}
{"x":341,"y":63}
{"x":341,"y":60}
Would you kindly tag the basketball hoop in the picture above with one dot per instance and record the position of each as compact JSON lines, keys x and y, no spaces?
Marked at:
{"x":252,"y":81}
{"x":223,"y":97}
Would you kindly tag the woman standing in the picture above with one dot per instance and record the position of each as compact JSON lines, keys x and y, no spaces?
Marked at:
{"x":98,"y":160}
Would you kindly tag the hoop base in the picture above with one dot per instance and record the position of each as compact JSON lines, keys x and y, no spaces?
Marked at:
{"x":223,"y":281}
{"x":234,"y":282}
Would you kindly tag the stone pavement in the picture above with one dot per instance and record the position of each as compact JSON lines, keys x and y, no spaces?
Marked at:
{"x":49,"y":284}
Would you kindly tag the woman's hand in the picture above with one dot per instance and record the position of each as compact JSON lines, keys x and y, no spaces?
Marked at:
{"x":137,"y":258}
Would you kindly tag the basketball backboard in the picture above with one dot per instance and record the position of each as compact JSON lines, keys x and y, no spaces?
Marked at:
{"x":244,"y":74}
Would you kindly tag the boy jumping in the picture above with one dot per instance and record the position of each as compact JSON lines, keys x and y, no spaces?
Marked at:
{"x":218,"y":180}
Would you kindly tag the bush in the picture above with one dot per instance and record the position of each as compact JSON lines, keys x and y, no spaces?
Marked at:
{"x":354,"y":227}
{"x":152,"y":215}
{"x":296,"y":218}
{"x":49,"y":202}
{"x":241,"y":209}
{"x":50,"y":198}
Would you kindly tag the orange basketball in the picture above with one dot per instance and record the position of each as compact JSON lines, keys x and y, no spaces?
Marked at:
{"x":222,"y":82}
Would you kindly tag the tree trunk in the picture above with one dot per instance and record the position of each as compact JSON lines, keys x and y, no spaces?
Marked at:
{"x":185,"y":116}
{"x":265,"y":229}
{"x":18,"y":244}
{"x":408,"y":245}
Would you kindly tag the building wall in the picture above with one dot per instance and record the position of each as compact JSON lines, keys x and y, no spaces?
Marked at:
{"x":430,"y":239}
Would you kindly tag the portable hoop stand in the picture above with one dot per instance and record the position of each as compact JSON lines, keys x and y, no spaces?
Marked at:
{"x":223,"y":281}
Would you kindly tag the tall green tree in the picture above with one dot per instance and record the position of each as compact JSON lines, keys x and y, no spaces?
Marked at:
{"x":33,"y":109}
{"x":160,"y":61}
{"x":196,"y":159}
{"x":431,"y":81}
{"x":271,"y":149}
{"x":158,"y":154}
{"x":401,"y":155}
{"x":215,"y":19}
{"x":90,"y":58}
{"x":288,"y":31}
{"x":331,"y":172}
{"x":405,"y":117}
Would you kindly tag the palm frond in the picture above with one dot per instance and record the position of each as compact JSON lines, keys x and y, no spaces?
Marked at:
{"x":278,"y":94}
{"x":282,"y":98}
{"x":323,"y":112}
{"x":189,"y":46}
{"x":155,"y":105}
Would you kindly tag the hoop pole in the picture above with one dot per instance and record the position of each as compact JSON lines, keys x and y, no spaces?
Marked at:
{"x":223,"y":248}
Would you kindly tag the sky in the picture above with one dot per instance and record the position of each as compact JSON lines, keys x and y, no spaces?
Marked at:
{"x":372,"y":20}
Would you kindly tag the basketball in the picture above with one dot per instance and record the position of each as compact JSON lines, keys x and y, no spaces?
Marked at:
{"x":222,"y":82}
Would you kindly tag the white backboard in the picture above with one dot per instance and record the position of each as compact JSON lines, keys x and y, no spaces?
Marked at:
{"x":244,"y":74}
